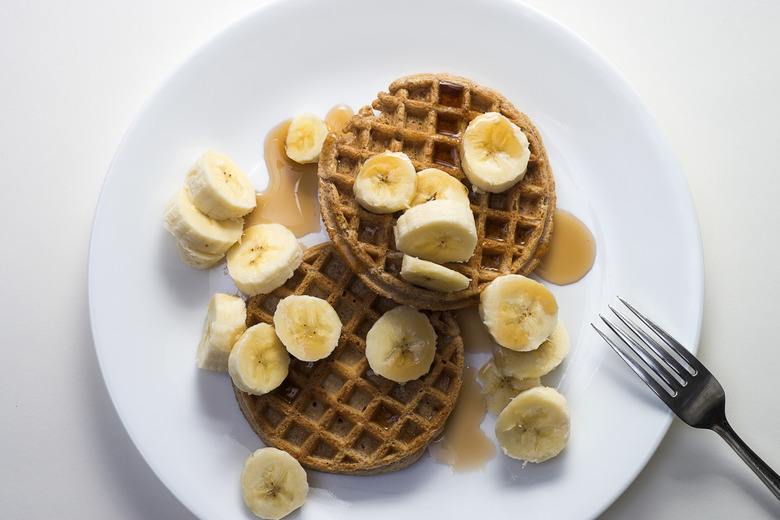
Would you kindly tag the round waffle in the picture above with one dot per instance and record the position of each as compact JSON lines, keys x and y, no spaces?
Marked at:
{"x":424,"y":116}
{"x":336,"y":415}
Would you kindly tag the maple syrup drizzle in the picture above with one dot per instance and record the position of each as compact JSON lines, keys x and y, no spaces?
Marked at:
{"x":572,"y":251}
{"x":463,"y":445}
{"x":337,"y":117}
{"x":291,"y":196}
{"x":450,"y":94}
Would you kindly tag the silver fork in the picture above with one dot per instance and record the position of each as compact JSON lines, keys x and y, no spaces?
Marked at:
{"x":682,"y":382}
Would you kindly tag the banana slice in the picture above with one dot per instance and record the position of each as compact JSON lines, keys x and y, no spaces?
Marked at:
{"x":258,"y":362}
{"x":537,"y":362}
{"x":494,"y":153}
{"x":309,"y":327}
{"x":266,"y":257}
{"x":225,"y":321}
{"x":431,"y":275}
{"x":273,"y":483}
{"x":535,"y":425}
{"x":439,"y":231}
{"x":500,"y":388}
{"x":218,"y":188}
{"x":520,"y":313}
{"x":434,"y":184}
{"x":197,"y":231}
{"x":401,"y":344}
{"x":305,"y":136}
{"x":197,"y":259}
{"x":386,"y":183}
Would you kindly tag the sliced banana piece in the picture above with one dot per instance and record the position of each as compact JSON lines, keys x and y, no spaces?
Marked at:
{"x":266,"y":257}
{"x":197,"y":231}
{"x":535,"y":425}
{"x":197,"y":259}
{"x":386,"y":183}
{"x":309,"y":327}
{"x":225,"y":321}
{"x":537,"y":362}
{"x":219,"y":188}
{"x":434,"y":184}
{"x":401,"y":344}
{"x":273,"y":483}
{"x":500,"y":388}
{"x":439,"y":231}
{"x":431,"y":275}
{"x":258,"y":362}
{"x":494,"y":153}
{"x":519,"y":313}
{"x":305,"y":136}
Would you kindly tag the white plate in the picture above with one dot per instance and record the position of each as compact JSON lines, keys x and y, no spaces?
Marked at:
{"x":613,"y":169}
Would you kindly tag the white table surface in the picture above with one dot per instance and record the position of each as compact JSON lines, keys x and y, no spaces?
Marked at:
{"x":74,"y":74}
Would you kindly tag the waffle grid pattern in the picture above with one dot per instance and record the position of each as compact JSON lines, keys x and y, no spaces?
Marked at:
{"x":336,"y":415}
{"x":424,"y":116}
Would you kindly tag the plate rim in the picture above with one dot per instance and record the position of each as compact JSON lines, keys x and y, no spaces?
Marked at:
{"x":257,"y":13}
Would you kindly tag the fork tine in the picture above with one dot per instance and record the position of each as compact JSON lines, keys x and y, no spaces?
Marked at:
{"x":675,"y":345}
{"x":636,"y":367}
{"x":648,"y":359}
{"x":662,"y":353}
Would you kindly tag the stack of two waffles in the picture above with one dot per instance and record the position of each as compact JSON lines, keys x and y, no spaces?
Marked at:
{"x":336,"y":415}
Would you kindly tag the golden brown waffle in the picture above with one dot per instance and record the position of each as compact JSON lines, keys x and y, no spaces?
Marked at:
{"x":336,"y":415}
{"x":424,"y":116}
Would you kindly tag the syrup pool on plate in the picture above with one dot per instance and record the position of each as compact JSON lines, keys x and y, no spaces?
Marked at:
{"x":291,"y":196}
{"x":463,"y":445}
{"x":572,"y":251}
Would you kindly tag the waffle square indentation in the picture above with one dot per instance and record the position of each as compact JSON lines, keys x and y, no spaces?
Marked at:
{"x":296,"y":435}
{"x":443,"y":382}
{"x":269,"y":303}
{"x":288,"y":391}
{"x":447,"y":124}
{"x":491,"y":261}
{"x":379,"y":141}
{"x":273,"y":416}
{"x":382,"y":305}
{"x":405,"y":393}
{"x":522,"y":234}
{"x":499,"y":201}
{"x":345,"y":310}
{"x":359,"y":290}
{"x":385,"y":417}
{"x":334,"y":268}
{"x":295,"y":280}
{"x":428,"y":407}
{"x":414,"y":149}
{"x":314,"y":410}
{"x":497,"y":229}
{"x":420,"y":93}
{"x":480,"y":103}
{"x":318,"y":290}
{"x":345,"y":164}
{"x":416,"y":119}
{"x":446,"y":155}
{"x":371,"y":231}
{"x":367,"y":444}
{"x":325,"y":451}
{"x":341,"y":426}
{"x":359,"y":400}
{"x":332,"y":383}
{"x":450,"y":95}
{"x":409,"y":432}
{"x":350,"y":355}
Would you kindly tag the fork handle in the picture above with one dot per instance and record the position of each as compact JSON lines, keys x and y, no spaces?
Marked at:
{"x":759,"y":467}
